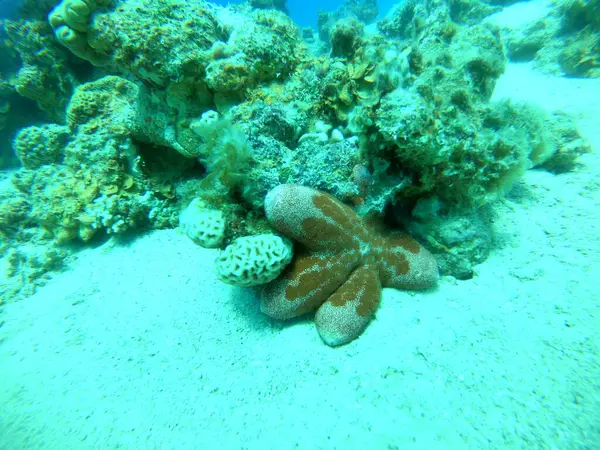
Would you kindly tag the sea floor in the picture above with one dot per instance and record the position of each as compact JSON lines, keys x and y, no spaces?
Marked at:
{"x":138,"y":345}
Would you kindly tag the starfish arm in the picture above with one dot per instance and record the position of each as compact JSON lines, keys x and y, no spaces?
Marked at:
{"x":404,"y":264}
{"x":315,"y":219}
{"x":307,"y":282}
{"x":346,"y":314}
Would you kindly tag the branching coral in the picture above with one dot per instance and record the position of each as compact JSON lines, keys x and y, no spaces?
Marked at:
{"x":342,"y":265}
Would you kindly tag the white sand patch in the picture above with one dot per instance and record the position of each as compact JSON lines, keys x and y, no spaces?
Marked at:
{"x":140,"y":346}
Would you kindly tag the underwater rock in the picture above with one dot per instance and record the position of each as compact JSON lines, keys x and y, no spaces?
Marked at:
{"x":321,"y":165}
{"x":346,"y":36}
{"x":459,"y":238}
{"x":44,"y":73}
{"x":563,"y":41}
{"x":4,"y":110}
{"x":270,"y":4}
{"x":38,"y":146}
{"x":569,"y":145}
{"x":471,"y":12}
{"x":87,"y":177}
{"x":266,"y":47}
{"x":70,"y":20}
{"x":364,"y":11}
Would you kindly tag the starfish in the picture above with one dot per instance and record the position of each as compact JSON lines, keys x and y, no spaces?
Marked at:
{"x":341,"y":265}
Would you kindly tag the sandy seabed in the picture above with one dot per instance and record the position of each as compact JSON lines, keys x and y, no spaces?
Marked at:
{"x":138,"y":345}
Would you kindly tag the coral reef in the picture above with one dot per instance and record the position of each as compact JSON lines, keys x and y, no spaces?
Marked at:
{"x":187,"y":46}
{"x":88,"y":177}
{"x":341,"y":266}
{"x":44,"y":74}
{"x":345,"y":37}
{"x":70,"y":20}
{"x":36,"y":9}
{"x":364,"y":11}
{"x":4,"y":104}
{"x":564,"y":41}
{"x":158,"y":42}
{"x":459,"y":239}
{"x":81,"y":178}
{"x":569,"y":145}
{"x":269,"y":4}
{"x":119,"y":114}
{"x":39,"y":146}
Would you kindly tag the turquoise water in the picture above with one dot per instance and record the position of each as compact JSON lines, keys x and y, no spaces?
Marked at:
{"x":222,"y":229}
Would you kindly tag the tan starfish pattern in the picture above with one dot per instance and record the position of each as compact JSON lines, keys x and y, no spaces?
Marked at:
{"x":340,"y":265}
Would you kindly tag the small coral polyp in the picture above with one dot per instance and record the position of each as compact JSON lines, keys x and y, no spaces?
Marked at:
{"x":342,"y":266}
